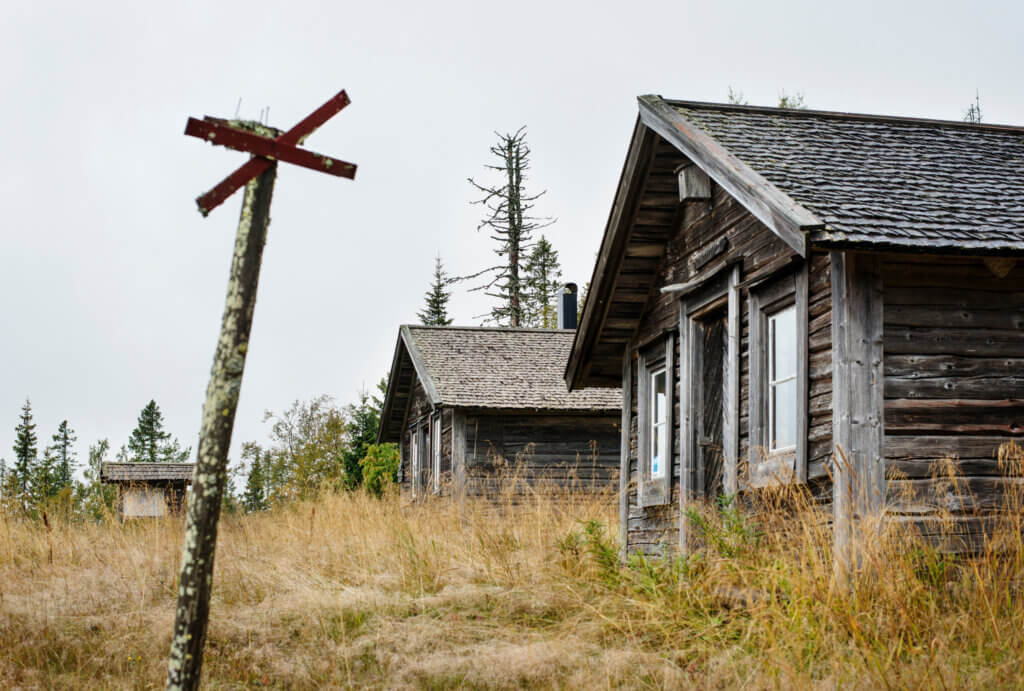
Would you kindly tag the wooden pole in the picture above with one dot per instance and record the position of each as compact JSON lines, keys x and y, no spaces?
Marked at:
{"x":210,"y":475}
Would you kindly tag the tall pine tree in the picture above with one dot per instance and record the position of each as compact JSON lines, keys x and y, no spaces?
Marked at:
{"x":255,"y":496}
{"x":65,"y":454}
{"x":511,"y":223}
{"x":435,"y":309}
{"x":25,"y":449}
{"x":543,"y":276}
{"x":149,"y":443}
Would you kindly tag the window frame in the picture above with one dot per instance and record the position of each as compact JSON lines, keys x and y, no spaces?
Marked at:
{"x":655,"y":491}
{"x":435,"y":449}
{"x":767,"y":466}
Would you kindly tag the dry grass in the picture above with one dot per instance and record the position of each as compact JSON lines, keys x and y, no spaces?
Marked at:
{"x":354,"y":591}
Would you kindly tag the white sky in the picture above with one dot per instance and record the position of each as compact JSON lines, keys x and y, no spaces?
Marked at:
{"x":112,"y":285}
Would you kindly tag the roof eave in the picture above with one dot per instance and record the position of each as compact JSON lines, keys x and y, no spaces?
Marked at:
{"x":616,"y":234}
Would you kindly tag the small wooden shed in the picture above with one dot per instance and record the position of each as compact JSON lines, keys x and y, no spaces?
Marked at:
{"x":468,"y":404}
{"x":776,"y":285}
{"x":148,"y":490}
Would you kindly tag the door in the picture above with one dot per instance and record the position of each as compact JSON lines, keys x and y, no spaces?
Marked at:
{"x":710,"y":415}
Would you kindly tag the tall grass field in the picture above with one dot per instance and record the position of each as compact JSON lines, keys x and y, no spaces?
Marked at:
{"x":521,"y":592}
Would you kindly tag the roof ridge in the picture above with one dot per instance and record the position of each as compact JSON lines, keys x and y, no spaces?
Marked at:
{"x":510,"y":329}
{"x":843,"y":115}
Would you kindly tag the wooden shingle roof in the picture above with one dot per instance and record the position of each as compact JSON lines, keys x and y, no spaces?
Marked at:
{"x":146,"y":472}
{"x":873,"y":180}
{"x":494,"y":368}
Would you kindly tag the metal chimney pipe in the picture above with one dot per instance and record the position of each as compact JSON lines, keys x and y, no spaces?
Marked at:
{"x":567,"y":306}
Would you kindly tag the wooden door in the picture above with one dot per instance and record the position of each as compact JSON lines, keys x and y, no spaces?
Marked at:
{"x":711,"y":412}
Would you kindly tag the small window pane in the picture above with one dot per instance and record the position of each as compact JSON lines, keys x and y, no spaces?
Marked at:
{"x":658,"y":425}
{"x":784,"y":414}
{"x":782,"y":337}
{"x":658,"y":462}
{"x":659,"y":397}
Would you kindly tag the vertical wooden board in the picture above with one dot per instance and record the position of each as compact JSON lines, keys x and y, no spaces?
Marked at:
{"x":624,"y":451}
{"x":685,"y":384}
{"x":731,"y":395}
{"x":802,"y":373}
{"x":666,"y":481}
{"x":459,"y":451}
{"x":642,"y":464}
{"x":841,"y":433}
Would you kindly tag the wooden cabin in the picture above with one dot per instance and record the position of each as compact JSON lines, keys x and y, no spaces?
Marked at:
{"x":148,"y":490}
{"x":778,"y":286}
{"x":470,"y":405}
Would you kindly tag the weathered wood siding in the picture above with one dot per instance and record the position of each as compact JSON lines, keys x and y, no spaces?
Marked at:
{"x":954,"y":383}
{"x":727,"y":233}
{"x":572,"y":450}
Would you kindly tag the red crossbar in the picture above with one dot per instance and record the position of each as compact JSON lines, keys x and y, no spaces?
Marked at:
{"x":264,"y":150}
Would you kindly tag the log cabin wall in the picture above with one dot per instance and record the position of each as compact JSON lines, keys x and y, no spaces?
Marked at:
{"x":725,"y":230}
{"x":954,"y":384}
{"x":575,"y":451}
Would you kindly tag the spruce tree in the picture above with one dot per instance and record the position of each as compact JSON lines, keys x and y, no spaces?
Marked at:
{"x":65,"y":454}
{"x":25,"y":449}
{"x":255,"y":498}
{"x":511,"y":223}
{"x":44,"y":481}
{"x":149,"y":443}
{"x":543,"y":275}
{"x":435,"y":310}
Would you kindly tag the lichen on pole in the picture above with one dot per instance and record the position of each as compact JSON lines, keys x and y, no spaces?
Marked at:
{"x":210,"y":475}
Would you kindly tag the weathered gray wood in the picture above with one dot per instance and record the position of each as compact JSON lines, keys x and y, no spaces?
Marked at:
{"x":421,"y":368}
{"x":858,"y":398}
{"x":694,"y":184}
{"x":803,"y":375}
{"x":731,"y":400}
{"x":771,"y":206}
{"x":624,"y":451}
{"x":210,"y":476}
{"x":977,"y":342}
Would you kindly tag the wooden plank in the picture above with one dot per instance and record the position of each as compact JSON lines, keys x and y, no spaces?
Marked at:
{"x":842,"y":476}
{"x":977,"y":342}
{"x":1005,"y":416}
{"x":459,"y":451}
{"x":731,"y":400}
{"x":858,"y":397}
{"x":771,"y":206}
{"x":802,"y":375}
{"x":624,"y":478}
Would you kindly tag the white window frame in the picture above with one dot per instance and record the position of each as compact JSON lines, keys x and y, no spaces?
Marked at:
{"x":766,"y":465}
{"x":773,"y":382}
{"x":435,"y":447}
{"x":654,"y":425}
{"x":655,"y":490}
{"x":414,"y":458}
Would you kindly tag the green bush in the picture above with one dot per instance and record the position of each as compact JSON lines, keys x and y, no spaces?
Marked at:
{"x":380,"y":467}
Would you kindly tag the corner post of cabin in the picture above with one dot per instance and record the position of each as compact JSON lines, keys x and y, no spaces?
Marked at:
{"x":858,"y":404}
{"x":459,"y":452}
{"x":624,"y":450}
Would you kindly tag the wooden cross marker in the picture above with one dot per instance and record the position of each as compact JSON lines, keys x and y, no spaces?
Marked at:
{"x":267,"y":146}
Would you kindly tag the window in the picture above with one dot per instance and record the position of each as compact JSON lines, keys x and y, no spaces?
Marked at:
{"x":414,"y":460}
{"x":654,"y":423}
{"x":782,"y":412}
{"x":658,"y":420}
{"x":778,"y":381}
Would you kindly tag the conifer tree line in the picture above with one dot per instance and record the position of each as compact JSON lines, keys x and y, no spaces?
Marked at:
{"x":315,"y":446}
{"x":525,"y":278}
{"x":43,"y":477}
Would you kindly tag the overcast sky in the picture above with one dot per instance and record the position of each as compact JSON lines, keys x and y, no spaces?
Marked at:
{"x":112,"y":285}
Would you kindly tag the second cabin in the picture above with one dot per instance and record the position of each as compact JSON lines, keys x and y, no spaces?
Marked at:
{"x":470,"y":406}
